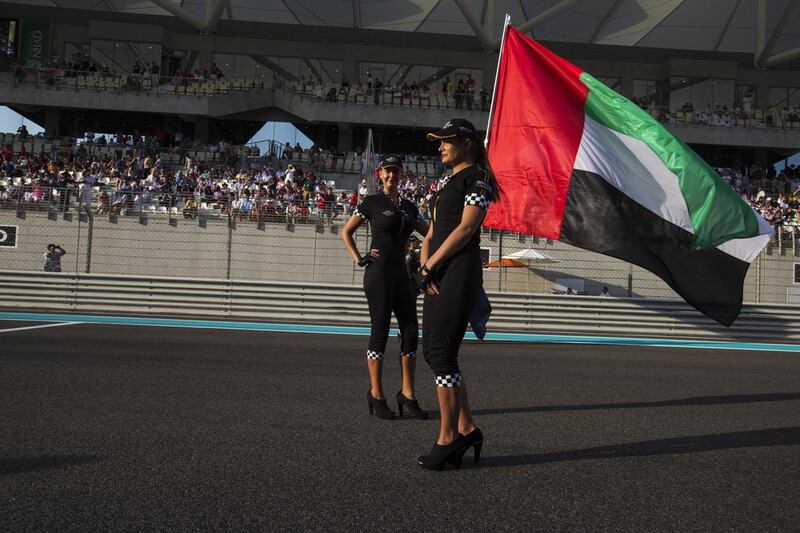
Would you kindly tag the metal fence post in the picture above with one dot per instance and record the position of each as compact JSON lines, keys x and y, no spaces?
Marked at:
{"x":500,"y":259}
{"x":758,"y":277}
{"x":630,"y":280}
{"x":314,"y":263}
{"x":90,"y":231}
{"x":229,"y":246}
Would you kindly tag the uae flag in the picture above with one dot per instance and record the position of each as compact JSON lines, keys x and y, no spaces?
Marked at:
{"x":581,"y":164}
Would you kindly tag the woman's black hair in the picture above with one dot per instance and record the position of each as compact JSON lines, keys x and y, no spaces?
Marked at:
{"x":481,"y":158}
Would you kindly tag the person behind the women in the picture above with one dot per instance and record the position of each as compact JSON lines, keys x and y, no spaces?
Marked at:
{"x":52,"y":258}
{"x":452,"y":276}
{"x":387,"y":285}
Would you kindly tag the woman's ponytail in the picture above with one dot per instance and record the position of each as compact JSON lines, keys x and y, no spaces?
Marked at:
{"x":481,"y":157}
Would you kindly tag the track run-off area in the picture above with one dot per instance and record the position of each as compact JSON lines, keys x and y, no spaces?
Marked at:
{"x":142,"y":423}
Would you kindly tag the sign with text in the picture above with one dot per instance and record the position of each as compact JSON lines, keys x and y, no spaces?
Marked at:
{"x":8,"y":236}
{"x":34,"y":45}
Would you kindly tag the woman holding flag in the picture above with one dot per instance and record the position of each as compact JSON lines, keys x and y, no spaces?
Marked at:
{"x":452,"y":277}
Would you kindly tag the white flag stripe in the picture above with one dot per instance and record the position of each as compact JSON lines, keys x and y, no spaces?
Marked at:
{"x":631,"y":167}
{"x":745,"y":249}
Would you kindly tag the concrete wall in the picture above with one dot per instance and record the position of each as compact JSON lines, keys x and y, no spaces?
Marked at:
{"x":307,"y":255}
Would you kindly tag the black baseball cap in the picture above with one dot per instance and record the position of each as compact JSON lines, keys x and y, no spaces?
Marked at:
{"x":457,"y":127}
{"x":391,"y":161}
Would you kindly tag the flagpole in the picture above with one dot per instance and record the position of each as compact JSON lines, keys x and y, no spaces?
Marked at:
{"x":496,"y":75}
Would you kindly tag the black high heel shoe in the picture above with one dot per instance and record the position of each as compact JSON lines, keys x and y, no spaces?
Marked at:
{"x":414,"y":410}
{"x":379,"y":407}
{"x":474,"y":440}
{"x":449,"y":453}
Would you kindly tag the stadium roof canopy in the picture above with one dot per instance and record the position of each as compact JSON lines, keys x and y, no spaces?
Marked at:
{"x":769,"y":29}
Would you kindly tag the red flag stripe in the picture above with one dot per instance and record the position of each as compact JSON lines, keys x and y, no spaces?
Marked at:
{"x":534,"y":136}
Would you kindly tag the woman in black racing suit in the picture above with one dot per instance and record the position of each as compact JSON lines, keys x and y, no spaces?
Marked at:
{"x":387,"y":285}
{"x":452,"y":277}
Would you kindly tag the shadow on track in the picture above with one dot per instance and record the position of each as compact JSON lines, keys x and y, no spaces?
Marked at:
{"x":33,"y":463}
{"x":701,"y":400}
{"x":788,"y":436}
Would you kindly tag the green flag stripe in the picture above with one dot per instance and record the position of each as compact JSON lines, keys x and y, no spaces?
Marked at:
{"x":717,"y":213}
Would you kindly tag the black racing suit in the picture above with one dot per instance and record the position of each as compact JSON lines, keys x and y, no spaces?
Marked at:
{"x":460,"y":276}
{"x":386,"y":282}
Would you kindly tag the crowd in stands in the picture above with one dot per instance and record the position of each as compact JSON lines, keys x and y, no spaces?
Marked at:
{"x":775,"y":195}
{"x":724,"y":116}
{"x":461,"y":94}
{"x":133,"y":183}
{"x":82,"y":73}
{"x":464,"y":94}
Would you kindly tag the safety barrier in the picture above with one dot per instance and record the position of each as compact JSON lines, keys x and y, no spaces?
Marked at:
{"x":343,"y":304}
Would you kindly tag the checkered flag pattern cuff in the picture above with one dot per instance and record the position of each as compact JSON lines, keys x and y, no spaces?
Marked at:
{"x":409,"y":354}
{"x":374,"y":355}
{"x":358,"y":213}
{"x":449,"y":380}
{"x":476,"y":198}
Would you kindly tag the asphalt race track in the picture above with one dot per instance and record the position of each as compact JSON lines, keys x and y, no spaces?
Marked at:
{"x":107,"y":427}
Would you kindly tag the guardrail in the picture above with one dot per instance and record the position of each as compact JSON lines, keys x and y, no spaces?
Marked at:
{"x":344,"y":304}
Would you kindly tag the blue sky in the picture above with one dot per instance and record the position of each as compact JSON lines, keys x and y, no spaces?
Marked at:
{"x":279,"y":131}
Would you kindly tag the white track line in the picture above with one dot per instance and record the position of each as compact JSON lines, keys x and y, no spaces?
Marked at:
{"x":39,"y":326}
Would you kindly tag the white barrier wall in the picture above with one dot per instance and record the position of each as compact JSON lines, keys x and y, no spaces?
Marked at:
{"x":310,"y":254}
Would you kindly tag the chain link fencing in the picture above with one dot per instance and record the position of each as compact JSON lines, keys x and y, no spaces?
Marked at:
{"x":299,"y":241}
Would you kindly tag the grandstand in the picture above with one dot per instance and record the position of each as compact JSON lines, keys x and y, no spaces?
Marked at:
{"x":728,"y":86}
{"x":180,"y":90}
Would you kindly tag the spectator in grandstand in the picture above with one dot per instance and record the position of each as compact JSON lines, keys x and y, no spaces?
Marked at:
{"x":412,"y":256}
{"x":22,"y":133}
{"x":387,"y":285}
{"x":459,"y":94}
{"x":484,"y":99}
{"x":424,"y":214}
{"x":216,"y":72}
{"x":332,"y":95}
{"x":452,"y":277}
{"x":19,"y":72}
{"x":323,"y":205}
{"x":447,"y":86}
{"x":353,"y":202}
{"x":342,"y":206}
{"x":377,"y":91}
{"x":35,"y":195}
{"x":289,"y":175}
{"x":6,"y":156}
{"x":52,"y":258}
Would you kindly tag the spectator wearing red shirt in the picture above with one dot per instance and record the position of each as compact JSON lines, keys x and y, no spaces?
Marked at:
{"x":322,"y":204}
